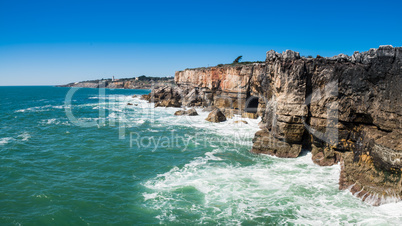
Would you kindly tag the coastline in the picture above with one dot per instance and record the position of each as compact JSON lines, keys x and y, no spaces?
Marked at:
{"x":343,"y":109}
{"x":330,"y":106}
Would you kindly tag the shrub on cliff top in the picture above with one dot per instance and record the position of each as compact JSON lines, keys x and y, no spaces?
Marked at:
{"x":237,"y":59}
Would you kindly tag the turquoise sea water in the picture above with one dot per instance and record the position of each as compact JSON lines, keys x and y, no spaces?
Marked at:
{"x":138,"y":165}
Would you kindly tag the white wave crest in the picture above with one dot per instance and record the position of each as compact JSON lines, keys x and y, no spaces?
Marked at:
{"x":5,"y":140}
{"x":40,"y":108}
{"x":291,"y":191}
{"x":24,"y":136}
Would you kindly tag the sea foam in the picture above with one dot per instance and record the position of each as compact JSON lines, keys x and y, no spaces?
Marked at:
{"x":5,"y":140}
{"x":285,"y":191}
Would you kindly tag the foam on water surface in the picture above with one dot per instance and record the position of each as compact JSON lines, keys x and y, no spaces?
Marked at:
{"x":271,"y":190}
{"x":5,"y":140}
{"x":284,"y":190}
{"x":215,"y":189}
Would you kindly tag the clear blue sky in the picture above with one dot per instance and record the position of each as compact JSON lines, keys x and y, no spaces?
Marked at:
{"x":56,"y":42}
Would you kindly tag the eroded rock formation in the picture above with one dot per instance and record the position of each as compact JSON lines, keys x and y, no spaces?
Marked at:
{"x":342,"y":108}
{"x":216,"y":116}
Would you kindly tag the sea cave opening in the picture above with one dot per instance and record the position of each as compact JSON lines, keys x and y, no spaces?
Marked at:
{"x":251,"y":104}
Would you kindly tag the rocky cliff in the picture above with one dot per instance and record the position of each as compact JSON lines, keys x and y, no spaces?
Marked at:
{"x":345,"y":109}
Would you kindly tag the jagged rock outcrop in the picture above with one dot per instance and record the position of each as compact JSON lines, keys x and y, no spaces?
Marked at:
{"x":344,"y":109}
{"x":284,"y":92}
{"x":216,"y":116}
{"x":167,"y":96}
{"x":191,"y":112}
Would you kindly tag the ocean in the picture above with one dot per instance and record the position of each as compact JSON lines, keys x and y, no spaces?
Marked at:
{"x":101,"y":161}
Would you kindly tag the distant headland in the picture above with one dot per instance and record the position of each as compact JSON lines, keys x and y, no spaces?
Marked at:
{"x":141,"y":82}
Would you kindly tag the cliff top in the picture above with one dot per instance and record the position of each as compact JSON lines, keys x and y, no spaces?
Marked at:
{"x":357,"y":57}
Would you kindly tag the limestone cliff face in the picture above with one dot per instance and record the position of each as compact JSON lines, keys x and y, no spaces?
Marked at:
{"x":344,"y":109}
{"x":226,"y":78}
{"x":227,"y":87}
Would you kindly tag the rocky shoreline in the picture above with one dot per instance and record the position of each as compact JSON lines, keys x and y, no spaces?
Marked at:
{"x":344,"y":109}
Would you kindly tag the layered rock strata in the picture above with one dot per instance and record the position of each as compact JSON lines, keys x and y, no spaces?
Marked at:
{"x":344,"y":109}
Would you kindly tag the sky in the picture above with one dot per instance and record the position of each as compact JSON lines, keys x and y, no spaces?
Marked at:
{"x":57,"y":42}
